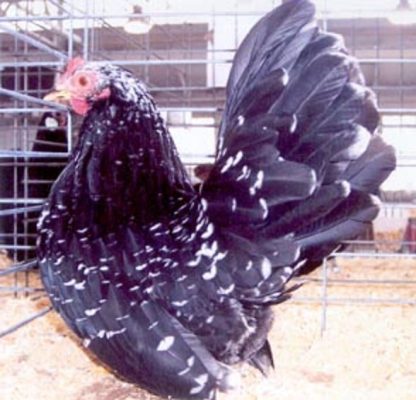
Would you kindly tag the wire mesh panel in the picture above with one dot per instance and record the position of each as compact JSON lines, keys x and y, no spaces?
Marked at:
{"x":29,"y":157}
{"x":183,"y":52}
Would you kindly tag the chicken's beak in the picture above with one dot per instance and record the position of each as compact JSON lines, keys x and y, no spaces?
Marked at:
{"x":59,"y":96}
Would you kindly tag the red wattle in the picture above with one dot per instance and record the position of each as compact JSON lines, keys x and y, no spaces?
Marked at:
{"x":80,"y":106}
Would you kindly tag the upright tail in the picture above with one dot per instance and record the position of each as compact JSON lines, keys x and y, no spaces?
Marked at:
{"x":298,"y":158}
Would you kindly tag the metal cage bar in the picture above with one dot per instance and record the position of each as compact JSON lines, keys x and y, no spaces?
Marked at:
{"x":184,"y":65}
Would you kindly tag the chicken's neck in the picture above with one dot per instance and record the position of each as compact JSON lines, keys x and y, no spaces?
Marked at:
{"x":127,"y":166}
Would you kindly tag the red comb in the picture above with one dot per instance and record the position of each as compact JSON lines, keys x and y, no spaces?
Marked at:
{"x":73,"y":64}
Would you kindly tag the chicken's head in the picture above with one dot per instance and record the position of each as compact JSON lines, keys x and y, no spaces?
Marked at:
{"x":79,"y":86}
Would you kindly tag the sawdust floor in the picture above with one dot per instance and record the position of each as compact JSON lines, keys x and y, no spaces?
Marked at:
{"x":366,"y":352}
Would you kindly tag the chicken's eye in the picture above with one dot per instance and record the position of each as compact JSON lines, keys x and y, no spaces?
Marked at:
{"x":83,"y":81}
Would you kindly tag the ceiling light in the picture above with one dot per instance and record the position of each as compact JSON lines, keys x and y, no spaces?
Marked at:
{"x":138,"y":24}
{"x":404,"y":14}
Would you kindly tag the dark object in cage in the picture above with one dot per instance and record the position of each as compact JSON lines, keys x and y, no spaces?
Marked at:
{"x":409,"y":239}
{"x":30,"y":178}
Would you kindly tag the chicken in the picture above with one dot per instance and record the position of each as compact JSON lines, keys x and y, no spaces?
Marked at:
{"x":169,"y":286}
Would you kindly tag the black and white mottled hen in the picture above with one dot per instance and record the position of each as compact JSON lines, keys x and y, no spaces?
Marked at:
{"x":168,"y":286}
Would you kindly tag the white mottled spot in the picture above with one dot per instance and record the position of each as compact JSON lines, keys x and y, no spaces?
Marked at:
{"x":184,"y":371}
{"x":177,"y":229}
{"x":191,"y":238}
{"x":80,"y":285}
{"x":104,"y":268}
{"x":194,"y":262}
{"x":182,"y":278}
{"x":59,"y":261}
{"x":166,"y":343}
{"x":233,"y":204}
{"x":226,"y":291}
{"x":155,"y":227}
{"x":294,"y":124}
{"x":285,"y":77}
{"x":42,"y":217}
{"x":91,"y":311}
{"x":201,"y":380}
{"x":299,"y":265}
{"x":204,"y":204}
{"x":227,"y":165}
{"x":238,"y":157}
{"x":232,"y":162}
{"x":287,"y":270}
{"x":201,"y":224}
{"x":249,"y":265}
{"x":208,"y":232}
{"x":241,"y":120}
{"x":93,"y":269}
{"x":149,"y":290}
{"x":257,"y":184}
{"x":101,"y":333}
{"x":260,"y":179}
{"x":86,"y":342}
{"x":153,"y":325}
{"x":263,"y":205}
{"x":220,"y":256}
{"x":245,"y":173}
{"x":67,"y":301}
{"x":110,"y":334}
{"x":207,"y":250}
{"x":180,"y":303}
{"x":140,"y":267}
{"x":211,"y":273}
{"x":266,"y":268}
{"x":209,"y":319}
{"x":72,"y":282}
{"x":123,"y":317}
{"x":190,"y":361}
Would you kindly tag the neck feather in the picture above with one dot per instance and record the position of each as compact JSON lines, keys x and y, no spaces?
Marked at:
{"x":126,"y":163}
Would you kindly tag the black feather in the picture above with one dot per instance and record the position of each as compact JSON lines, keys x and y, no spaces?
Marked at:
{"x":167,"y":285}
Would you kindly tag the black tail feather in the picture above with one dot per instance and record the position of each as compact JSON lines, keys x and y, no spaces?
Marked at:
{"x":298,"y":157}
{"x":263,"y":359}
